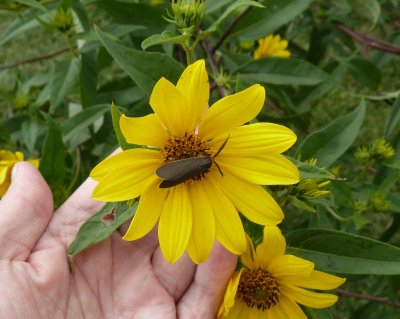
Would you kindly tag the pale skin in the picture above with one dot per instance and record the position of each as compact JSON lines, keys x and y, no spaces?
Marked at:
{"x":113,"y":279}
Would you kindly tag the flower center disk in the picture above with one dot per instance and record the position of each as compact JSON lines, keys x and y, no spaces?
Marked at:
{"x":188,"y":146}
{"x":257,"y":288}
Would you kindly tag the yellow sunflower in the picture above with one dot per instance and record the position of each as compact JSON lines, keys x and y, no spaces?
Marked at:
{"x":272,"y":46}
{"x":227,"y":163}
{"x":270,"y":284}
{"x":7,"y":162}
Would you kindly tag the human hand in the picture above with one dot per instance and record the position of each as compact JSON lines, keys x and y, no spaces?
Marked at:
{"x":113,"y":279}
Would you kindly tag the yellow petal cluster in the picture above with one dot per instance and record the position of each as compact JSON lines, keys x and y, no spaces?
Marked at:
{"x":194,"y":213}
{"x":271,"y":284}
{"x":272,"y":46}
{"x":7,"y":161}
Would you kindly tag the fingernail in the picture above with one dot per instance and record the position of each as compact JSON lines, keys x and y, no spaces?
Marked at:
{"x":14,"y":171}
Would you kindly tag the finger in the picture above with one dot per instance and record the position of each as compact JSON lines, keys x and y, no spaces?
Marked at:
{"x":74,"y":212}
{"x":25,"y":212}
{"x":174,"y":277}
{"x":204,"y":296}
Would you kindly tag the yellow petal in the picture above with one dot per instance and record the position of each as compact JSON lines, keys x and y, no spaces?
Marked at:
{"x":256,"y":140}
{"x":232,"y":111}
{"x":228,"y":226}
{"x":127,"y":178}
{"x":272,"y":246}
{"x":148,"y":211}
{"x":203,"y":227}
{"x":5,"y":178}
{"x":309,"y":298}
{"x":175,"y":224}
{"x":318,"y":280}
{"x":146,"y":130}
{"x":170,"y":106}
{"x":249,"y":258}
{"x":290,"y":309}
{"x":34,"y":162}
{"x":134,"y":159}
{"x":255,"y":202}
{"x":7,"y":156}
{"x":230,"y":294}
{"x":193,"y":84}
{"x":273,"y":169}
{"x":287,"y":266}
{"x":20,"y":156}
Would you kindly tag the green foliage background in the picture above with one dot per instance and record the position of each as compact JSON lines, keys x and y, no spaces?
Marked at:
{"x":340,"y":92}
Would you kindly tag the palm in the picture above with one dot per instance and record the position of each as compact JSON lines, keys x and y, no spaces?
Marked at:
{"x":114,"y":279}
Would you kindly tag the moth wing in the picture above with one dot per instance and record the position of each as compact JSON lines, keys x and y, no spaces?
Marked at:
{"x":181,"y":170}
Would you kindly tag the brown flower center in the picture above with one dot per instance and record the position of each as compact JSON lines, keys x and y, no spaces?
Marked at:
{"x":257,"y":288}
{"x":188,"y":146}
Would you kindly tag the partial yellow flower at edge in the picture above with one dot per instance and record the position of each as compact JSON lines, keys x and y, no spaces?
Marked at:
{"x":271,"y":284}
{"x":7,"y":162}
{"x":198,"y":210}
{"x":272,"y":46}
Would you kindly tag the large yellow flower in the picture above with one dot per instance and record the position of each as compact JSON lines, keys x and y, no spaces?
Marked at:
{"x":271,"y":283}
{"x":7,"y":161}
{"x":272,"y":46}
{"x":236,"y":160}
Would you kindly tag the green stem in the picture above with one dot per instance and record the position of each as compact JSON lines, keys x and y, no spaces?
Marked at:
{"x":362,"y":173}
{"x":337,"y":216}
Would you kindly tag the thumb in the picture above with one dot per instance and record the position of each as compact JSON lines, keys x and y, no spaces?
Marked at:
{"x":25,"y":211}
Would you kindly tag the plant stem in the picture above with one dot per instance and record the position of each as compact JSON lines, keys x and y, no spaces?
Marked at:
{"x":381,"y":300}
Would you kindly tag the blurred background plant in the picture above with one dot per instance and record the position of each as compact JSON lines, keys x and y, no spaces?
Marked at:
{"x":63,"y":62}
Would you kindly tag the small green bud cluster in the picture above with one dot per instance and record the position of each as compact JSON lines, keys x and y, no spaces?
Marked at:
{"x":63,"y":20}
{"x":380,"y":151}
{"x":187,"y":14}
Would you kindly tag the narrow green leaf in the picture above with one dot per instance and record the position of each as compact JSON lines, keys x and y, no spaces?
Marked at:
{"x":329,"y":143}
{"x":52,"y":162}
{"x":394,"y":119}
{"x":227,"y":13}
{"x":116,"y":115}
{"x":394,"y":163}
{"x":163,"y":38}
{"x":33,"y":4}
{"x":30,"y":132}
{"x":369,"y":9}
{"x":82,"y":120}
{"x":145,"y":68}
{"x":311,"y":171}
{"x":340,"y":252}
{"x":260,"y":22}
{"x":63,"y":79}
{"x":101,"y":226}
{"x":283,"y":72}
{"x":364,"y":71}
{"x":88,"y":78}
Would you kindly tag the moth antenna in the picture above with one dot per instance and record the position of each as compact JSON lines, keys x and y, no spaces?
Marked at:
{"x":219,"y":168}
{"x":220,"y":149}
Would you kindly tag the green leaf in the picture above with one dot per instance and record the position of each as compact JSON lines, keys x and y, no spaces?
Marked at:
{"x":30,"y":133}
{"x":82,"y":120}
{"x":282,"y":72}
{"x":33,"y":4}
{"x":101,"y":226}
{"x":369,"y":9}
{"x":52,"y":162}
{"x":145,"y":68}
{"x":260,"y":22}
{"x":393,"y":163}
{"x":116,"y":115}
{"x":88,"y":78}
{"x":311,"y":171}
{"x":301,"y":204}
{"x":163,"y":38}
{"x":63,"y":79}
{"x":27,"y":22}
{"x":329,"y":143}
{"x":394,"y":119}
{"x":364,"y":72}
{"x":227,"y":13}
{"x":340,"y":252}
